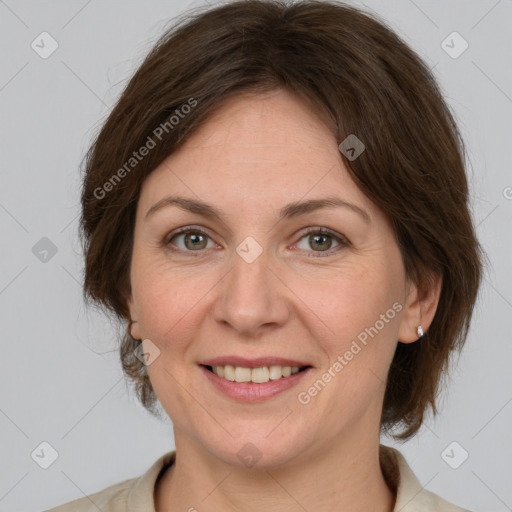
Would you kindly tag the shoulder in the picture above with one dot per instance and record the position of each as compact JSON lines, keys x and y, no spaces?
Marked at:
{"x":411,"y":496}
{"x":132,"y":494}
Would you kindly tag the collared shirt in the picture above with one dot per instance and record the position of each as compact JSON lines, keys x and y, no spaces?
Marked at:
{"x":137,"y":494}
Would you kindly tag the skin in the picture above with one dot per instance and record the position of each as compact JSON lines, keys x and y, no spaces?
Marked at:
{"x":256,"y":154}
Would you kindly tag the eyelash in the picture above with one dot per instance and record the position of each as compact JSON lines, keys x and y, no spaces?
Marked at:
{"x":342,"y":241}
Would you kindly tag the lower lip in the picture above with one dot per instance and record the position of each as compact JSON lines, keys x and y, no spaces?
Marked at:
{"x":251,"y":392}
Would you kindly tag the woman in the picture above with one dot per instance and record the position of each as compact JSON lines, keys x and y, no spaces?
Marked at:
{"x":277,"y":208}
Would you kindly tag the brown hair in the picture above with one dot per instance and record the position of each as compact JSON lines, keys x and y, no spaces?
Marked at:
{"x":355,"y":69}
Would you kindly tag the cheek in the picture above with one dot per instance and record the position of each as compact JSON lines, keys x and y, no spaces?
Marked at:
{"x":358,"y":332}
{"x":168,"y":299}
{"x":352,"y":298}
{"x":357,"y":328}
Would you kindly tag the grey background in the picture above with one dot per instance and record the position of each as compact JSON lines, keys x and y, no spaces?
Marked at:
{"x":61,"y":379}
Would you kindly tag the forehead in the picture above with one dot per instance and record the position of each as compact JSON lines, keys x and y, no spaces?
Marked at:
{"x":266,"y":149}
{"x":276,"y":118}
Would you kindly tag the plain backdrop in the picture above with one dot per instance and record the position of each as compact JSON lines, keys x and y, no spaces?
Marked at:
{"x":61,"y":380}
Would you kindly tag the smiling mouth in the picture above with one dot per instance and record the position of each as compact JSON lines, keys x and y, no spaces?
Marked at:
{"x":259,"y":375}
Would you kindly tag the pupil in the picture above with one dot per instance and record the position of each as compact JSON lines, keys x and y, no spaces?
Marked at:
{"x":317,"y":237}
{"x":195,"y":239}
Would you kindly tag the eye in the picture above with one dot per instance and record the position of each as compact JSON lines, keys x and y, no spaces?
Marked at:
{"x":322,"y":239}
{"x":194,"y":239}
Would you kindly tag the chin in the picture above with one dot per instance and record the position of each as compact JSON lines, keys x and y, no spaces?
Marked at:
{"x":256,"y":447}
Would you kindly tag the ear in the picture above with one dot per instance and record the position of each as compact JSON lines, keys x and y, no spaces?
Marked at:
{"x":420,"y":307}
{"x":133,"y":327}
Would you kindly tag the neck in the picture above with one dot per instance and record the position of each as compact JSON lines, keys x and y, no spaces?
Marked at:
{"x":345,"y":476}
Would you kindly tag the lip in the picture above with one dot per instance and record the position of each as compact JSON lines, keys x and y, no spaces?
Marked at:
{"x":251,"y":392}
{"x":253,"y":363}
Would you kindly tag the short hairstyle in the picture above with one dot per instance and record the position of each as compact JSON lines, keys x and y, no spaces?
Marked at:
{"x":365,"y":80}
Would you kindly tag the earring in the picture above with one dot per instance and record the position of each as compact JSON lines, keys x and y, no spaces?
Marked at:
{"x":420,"y":331}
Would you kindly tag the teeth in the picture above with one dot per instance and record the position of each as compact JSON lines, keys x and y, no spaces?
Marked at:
{"x":229,"y":372}
{"x":242,"y":374}
{"x":256,"y":375}
{"x":275,"y":372}
{"x":260,"y":375}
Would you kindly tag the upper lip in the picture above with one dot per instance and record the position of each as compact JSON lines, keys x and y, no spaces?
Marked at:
{"x":252,"y":363}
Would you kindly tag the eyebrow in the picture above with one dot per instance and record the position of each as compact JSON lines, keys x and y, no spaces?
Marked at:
{"x":289,"y":211}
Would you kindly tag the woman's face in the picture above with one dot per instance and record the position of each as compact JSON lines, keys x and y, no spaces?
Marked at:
{"x":261,"y":281}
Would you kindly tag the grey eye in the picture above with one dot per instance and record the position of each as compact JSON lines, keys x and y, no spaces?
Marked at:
{"x":320,"y":242}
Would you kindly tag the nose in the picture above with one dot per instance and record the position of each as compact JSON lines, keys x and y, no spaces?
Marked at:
{"x":252,"y":299}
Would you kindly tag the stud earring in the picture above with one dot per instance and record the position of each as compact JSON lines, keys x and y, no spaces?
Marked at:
{"x":420,"y":331}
